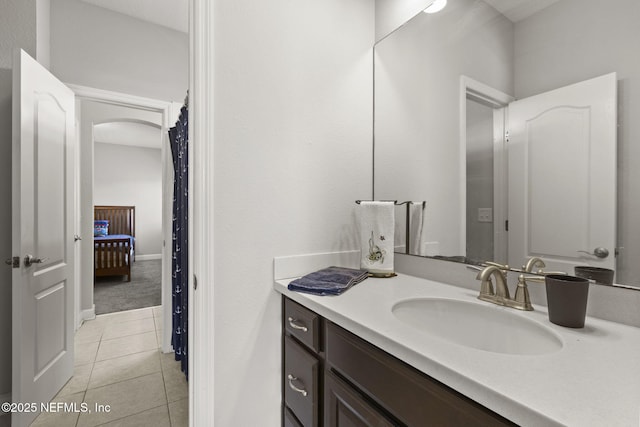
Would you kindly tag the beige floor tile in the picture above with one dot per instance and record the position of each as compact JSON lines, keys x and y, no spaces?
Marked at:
{"x":62,"y":418}
{"x":158,"y":321}
{"x":179,"y":413}
{"x":176,"y":386}
{"x":127,"y":345}
{"x":126,"y":315}
{"x":156,"y":417}
{"x":128,"y":327}
{"x":169,"y":362}
{"x":78,"y":382}
{"x":175,"y":381}
{"x":124,"y":398}
{"x":157,"y":311}
{"x":90,"y":331}
{"x":123,"y":368}
{"x":118,"y":364}
{"x":85,"y":352}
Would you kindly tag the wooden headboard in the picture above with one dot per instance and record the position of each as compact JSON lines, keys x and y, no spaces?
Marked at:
{"x":122,"y":219}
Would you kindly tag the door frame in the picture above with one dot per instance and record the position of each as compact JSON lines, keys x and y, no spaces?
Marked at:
{"x":169,"y":111}
{"x":201,"y":207}
{"x":498,"y":100}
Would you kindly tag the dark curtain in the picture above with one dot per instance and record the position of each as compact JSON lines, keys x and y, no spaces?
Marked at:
{"x":179,"y":137}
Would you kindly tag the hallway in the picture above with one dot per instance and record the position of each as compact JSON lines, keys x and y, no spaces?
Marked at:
{"x":118,"y":363}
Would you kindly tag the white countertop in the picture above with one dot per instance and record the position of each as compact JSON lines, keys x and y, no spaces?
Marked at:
{"x":594,"y":380}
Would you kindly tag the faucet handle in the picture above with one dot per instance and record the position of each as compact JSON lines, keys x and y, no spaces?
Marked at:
{"x":500,"y":266}
{"x":522,"y":301}
{"x":546,"y":273}
{"x":531,"y":278}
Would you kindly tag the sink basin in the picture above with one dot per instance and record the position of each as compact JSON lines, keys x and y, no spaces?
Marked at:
{"x":478,"y":326}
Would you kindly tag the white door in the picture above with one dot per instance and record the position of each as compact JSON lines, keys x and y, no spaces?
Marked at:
{"x":43,"y":143}
{"x":562,"y":176}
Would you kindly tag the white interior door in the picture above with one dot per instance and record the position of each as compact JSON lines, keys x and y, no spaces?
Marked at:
{"x":562,"y":176}
{"x":43,"y":226}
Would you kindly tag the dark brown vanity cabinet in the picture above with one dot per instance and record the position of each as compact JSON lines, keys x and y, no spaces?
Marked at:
{"x":333,"y":378}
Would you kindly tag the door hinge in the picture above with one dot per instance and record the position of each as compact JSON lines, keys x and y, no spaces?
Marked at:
{"x":506,"y":225}
{"x":14,"y":262}
{"x":506,"y":136}
{"x":195,"y":282}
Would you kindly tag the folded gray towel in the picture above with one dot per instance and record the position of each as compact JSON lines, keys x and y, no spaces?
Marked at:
{"x":328,"y":281}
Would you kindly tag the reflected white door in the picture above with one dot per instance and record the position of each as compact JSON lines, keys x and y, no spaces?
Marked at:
{"x":562,"y":176}
{"x":43,"y":142}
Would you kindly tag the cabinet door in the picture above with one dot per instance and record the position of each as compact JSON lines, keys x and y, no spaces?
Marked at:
{"x":346,"y":408}
{"x":289,"y":419}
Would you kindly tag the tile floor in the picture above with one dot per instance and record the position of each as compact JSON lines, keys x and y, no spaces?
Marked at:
{"x":118,"y":363}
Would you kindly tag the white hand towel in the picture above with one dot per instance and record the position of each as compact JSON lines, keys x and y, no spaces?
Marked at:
{"x":416,"y":227}
{"x":376,"y":236}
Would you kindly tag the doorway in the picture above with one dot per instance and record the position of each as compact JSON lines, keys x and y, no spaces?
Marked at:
{"x":483,"y":157}
{"x":146,"y":109}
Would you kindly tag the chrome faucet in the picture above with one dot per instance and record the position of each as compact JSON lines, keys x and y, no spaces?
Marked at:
{"x":501,"y":296}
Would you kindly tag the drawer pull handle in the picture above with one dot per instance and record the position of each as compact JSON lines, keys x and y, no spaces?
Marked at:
{"x":295,"y":325}
{"x":293,"y":387}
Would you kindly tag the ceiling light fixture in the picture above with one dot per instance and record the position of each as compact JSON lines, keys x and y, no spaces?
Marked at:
{"x":436,"y":6}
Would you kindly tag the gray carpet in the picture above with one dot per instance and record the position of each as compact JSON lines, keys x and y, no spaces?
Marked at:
{"x":111,"y":294}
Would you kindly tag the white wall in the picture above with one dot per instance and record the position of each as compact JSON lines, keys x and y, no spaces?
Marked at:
{"x":418,"y":69}
{"x":292,"y":147}
{"x":96,"y":47}
{"x":132,"y":176}
{"x":391,"y":14}
{"x":43,"y":33}
{"x":590,"y":40}
{"x":18,"y":28}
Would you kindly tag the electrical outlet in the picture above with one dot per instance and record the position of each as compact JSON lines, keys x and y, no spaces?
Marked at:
{"x":485,"y":215}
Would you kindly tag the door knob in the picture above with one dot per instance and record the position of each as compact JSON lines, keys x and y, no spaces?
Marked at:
{"x":598,"y":252}
{"x":76,"y":238}
{"x":29,"y":260}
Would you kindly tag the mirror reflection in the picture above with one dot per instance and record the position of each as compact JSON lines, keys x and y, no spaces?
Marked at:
{"x":514,"y":127}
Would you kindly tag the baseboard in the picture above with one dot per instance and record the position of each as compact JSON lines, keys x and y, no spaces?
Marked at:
{"x":89,"y":314}
{"x":287,"y":267}
{"x":148,"y":257}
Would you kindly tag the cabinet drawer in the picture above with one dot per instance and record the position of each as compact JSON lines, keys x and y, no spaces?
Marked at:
{"x":408,"y":394}
{"x":303,"y":324}
{"x":301,"y":382}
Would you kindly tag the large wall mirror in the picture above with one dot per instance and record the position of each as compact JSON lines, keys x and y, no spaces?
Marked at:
{"x":514,"y":127}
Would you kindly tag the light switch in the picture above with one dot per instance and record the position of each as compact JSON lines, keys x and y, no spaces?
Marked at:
{"x":485,"y":215}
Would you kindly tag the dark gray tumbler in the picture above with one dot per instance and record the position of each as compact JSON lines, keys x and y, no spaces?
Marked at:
{"x":603,"y":276}
{"x":567,"y":299}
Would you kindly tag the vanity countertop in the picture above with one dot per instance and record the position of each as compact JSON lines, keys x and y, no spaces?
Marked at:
{"x":594,"y":380}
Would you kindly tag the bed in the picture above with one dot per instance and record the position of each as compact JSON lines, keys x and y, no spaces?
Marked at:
{"x":114,"y":240}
